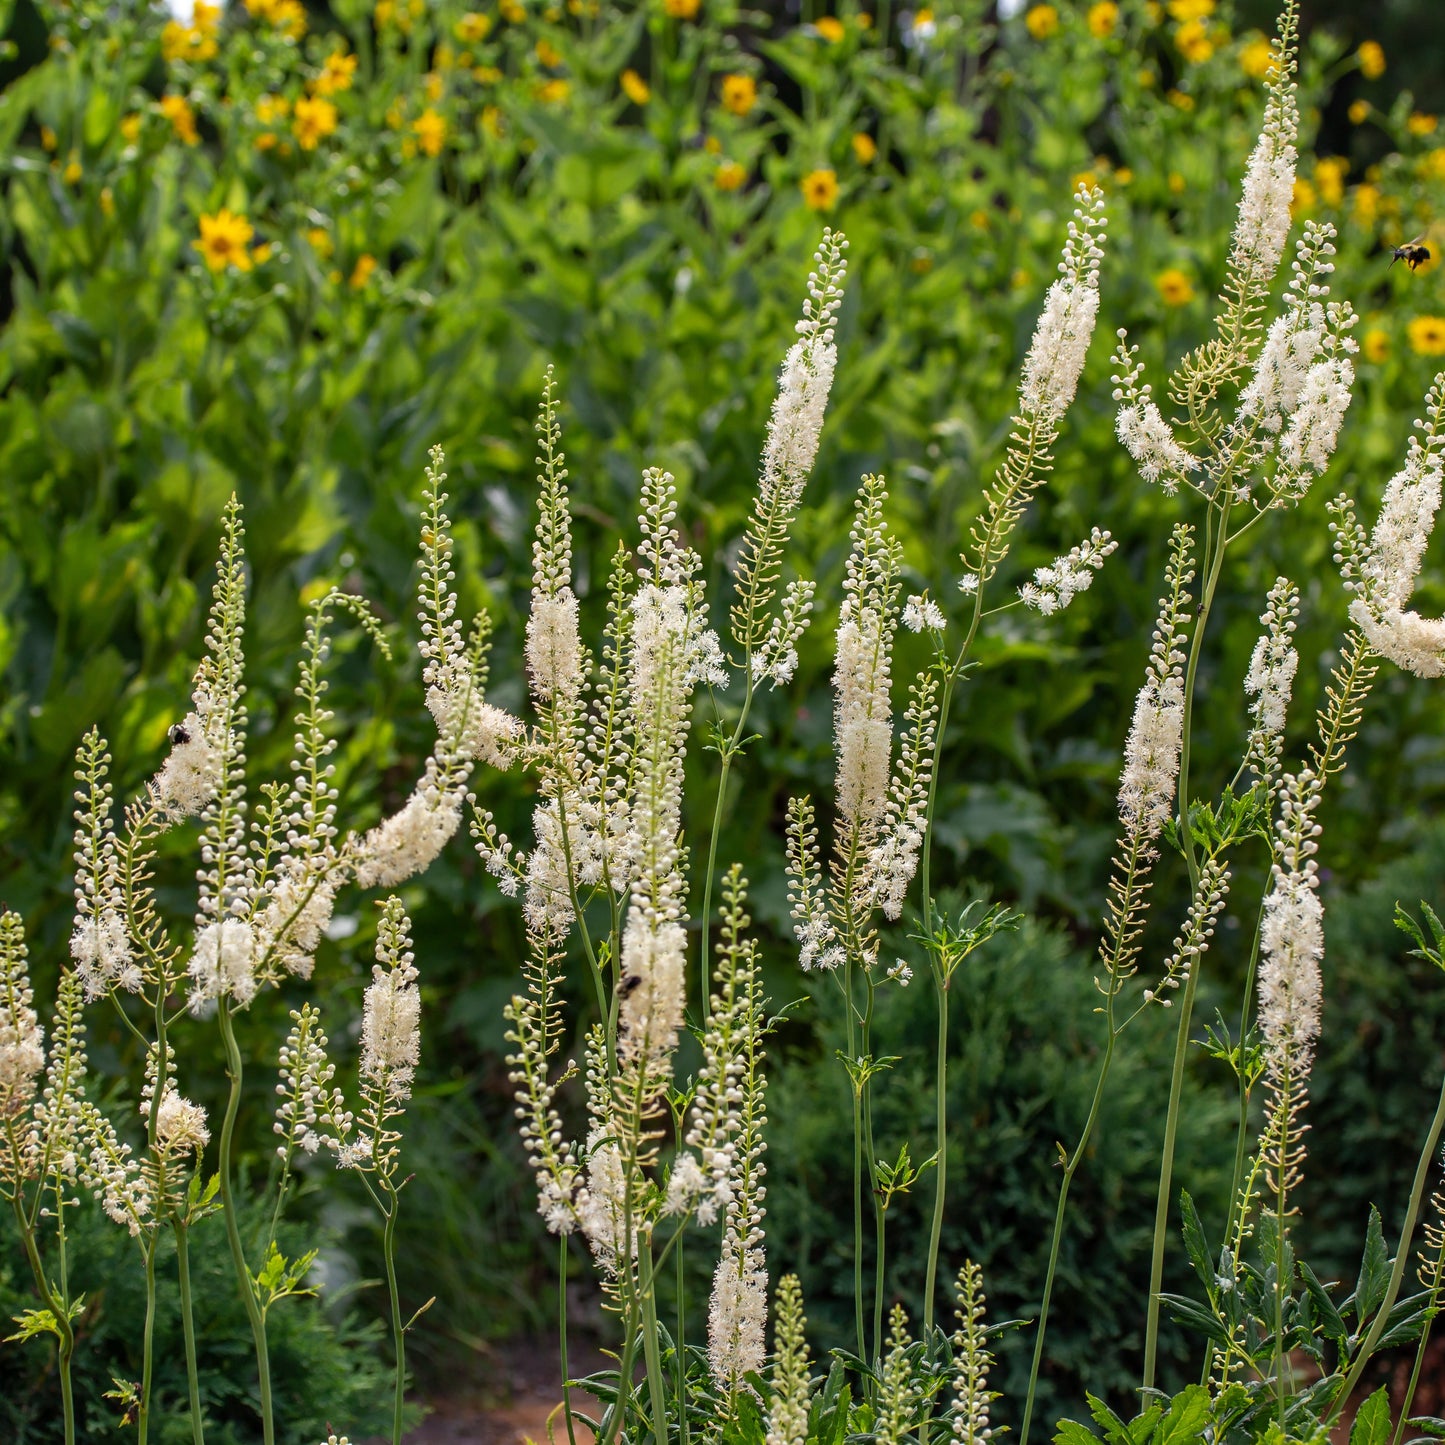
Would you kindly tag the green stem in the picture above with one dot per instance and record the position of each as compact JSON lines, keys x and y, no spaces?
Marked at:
{"x":728,"y":750}
{"x":1070,"y":1168}
{"x":398,"y":1330}
{"x":65,"y":1341}
{"x":656,"y":1387}
{"x":143,"y":1414}
{"x":1414,"y":1382}
{"x":856,"y":1091}
{"x":880,"y":1216}
{"x":1218,"y":546}
{"x":680,"y":1350}
{"x":940,"y":1160}
{"x":254,"y":1316}
{"x":188,"y":1328}
{"x":562,"y":1336}
{"x":1402,"y":1258}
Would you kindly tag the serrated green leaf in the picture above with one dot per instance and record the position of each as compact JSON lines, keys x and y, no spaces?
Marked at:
{"x":1372,"y":1424}
{"x":1195,"y":1242}
{"x":1187,"y":1417}
{"x":1070,"y":1432}
{"x":1374,"y":1277}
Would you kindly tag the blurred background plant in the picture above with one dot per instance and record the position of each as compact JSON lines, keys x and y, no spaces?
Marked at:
{"x":282,"y":249}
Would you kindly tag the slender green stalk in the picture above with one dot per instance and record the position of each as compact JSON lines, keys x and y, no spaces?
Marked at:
{"x":656,"y":1387}
{"x":853,"y":1089}
{"x":143,"y":1412}
{"x":1414,"y":1382}
{"x":233,"y":1229}
{"x":562,"y":1336}
{"x":65,"y":1346}
{"x":1219,"y":544}
{"x":398,"y":1330}
{"x":1397,"y":1274}
{"x":940,"y":1161}
{"x":188,"y":1327}
{"x":680,"y":1351}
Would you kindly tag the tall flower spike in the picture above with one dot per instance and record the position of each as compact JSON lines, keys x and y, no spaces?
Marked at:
{"x":22,"y":1040}
{"x":899,"y":1386}
{"x":792,"y":1389}
{"x":1271,"y":677}
{"x":1054,"y":587}
{"x":972,"y":1361}
{"x":99,"y":943}
{"x":58,"y":1111}
{"x":391,"y":1012}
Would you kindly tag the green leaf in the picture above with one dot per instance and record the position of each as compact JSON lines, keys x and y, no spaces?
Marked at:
{"x":1070,"y":1432}
{"x":33,"y":1323}
{"x":1195,"y":1242}
{"x":1330,"y":1319}
{"x":1372,"y":1424}
{"x":1187,"y":1417}
{"x":1374,"y":1270}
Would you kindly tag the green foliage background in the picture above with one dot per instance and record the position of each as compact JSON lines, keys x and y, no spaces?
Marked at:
{"x":138,"y":388}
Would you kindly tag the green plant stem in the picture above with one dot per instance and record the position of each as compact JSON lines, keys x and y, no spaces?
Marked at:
{"x":65,"y":1331}
{"x":1218,"y":547}
{"x":1402,"y":1258}
{"x":940,"y":1161}
{"x":855,"y":1091}
{"x":728,"y":750}
{"x":398,"y":1330}
{"x":1414,"y":1382}
{"x":680,"y":1350}
{"x":143,"y":1413}
{"x":233,"y":1228}
{"x":188,"y":1327}
{"x":562,"y":1336}
{"x":1281,"y":1360}
{"x":656,"y":1386}
{"x":1070,"y":1168}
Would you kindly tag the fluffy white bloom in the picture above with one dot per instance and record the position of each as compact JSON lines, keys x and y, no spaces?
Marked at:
{"x":1055,"y":586}
{"x":100,"y":947}
{"x":223,"y":965}
{"x":409,"y":840}
{"x":1290,"y":347}
{"x":1262,"y":229}
{"x":921,"y":612}
{"x":777,"y":659}
{"x":1150,"y":440}
{"x":737,"y":1315}
{"x":1151,"y":756}
{"x":479,"y":730}
{"x":391,"y":1028}
{"x":863,"y":728}
{"x":291,"y":925}
{"x":191,"y":773}
{"x":1315,"y":425}
{"x":654,"y":952}
{"x":1272,"y":669}
{"x":22,"y":1041}
{"x":554,"y":645}
{"x":180,"y":1124}
{"x":1292,"y":939}
{"x":107,"y":1169}
{"x":968,"y":583}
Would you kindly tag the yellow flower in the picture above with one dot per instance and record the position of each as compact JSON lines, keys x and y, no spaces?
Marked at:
{"x":72,"y":172}
{"x":271,"y":108}
{"x":1359,"y":112}
{"x":266,"y":141}
{"x":223,"y":241}
{"x":548,"y":54}
{"x":830,"y":28}
{"x":1256,"y":58}
{"x":865,"y":148}
{"x":337,"y":71}
{"x":1147,"y":79}
{"x":820,"y":190}
{"x":315,"y":119}
{"x":1375,"y":344}
{"x":262,"y":253}
{"x":1174,"y":286}
{"x":177,"y":110}
{"x":472,"y":28}
{"x":289,"y":17}
{"x":1042,"y":21}
{"x":486,"y":75}
{"x":492,"y":123}
{"x":107,"y":202}
{"x":739,"y":93}
{"x":1371,"y":56}
{"x":1367,"y":204}
{"x":712,"y":145}
{"x":682,"y":9}
{"x":1194,"y":42}
{"x":1180,"y":99}
{"x":361,"y":272}
{"x":1421,"y":124}
{"x":431,"y":131}
{"x":187,"y":42}
{"x":384,"y":14}
{"x":1305,"y":199}
{"x":863,"y":20}
{"x":130,"y":128}
{"x":979,"y":219}
{"x":1432,"y":165}
{"x":1123,"y":175}
{"x":634,"y":87}
{"x":1175,"y":183}
{"x":729,"y":176}
{"x":1083,"y":178}
{"x":1187,"y":10}
{"x":1330,"y":178}
{"x":1102,"y":18}
{"x":319,"y":239}
{"x":434,"y":86}
{"x":511,"y":11}
{"x":554,"y":92}
{"x":1427,"y":335}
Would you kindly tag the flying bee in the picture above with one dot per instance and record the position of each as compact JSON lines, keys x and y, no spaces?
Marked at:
{"x":179,"y":735}
{"x":628,"y":984}
{"x":1412,"y":253}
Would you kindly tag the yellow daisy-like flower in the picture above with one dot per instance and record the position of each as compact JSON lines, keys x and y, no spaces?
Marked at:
{"x":266,"y":141}
{"x":486,"y":75}
{"x":634,"y":87}
{"x":511,"y":11}
{"x":1427,"y":335}
{"x":430,"y":130}
{"x":1359,"y":111}
{"x":1123,"y":175}
{"x":1193,"y":42}
{"x":820,"y":190}
{"x":186,"y":42}
{"x":548,"y":54}
{"x":130,"y":127}
{"x":1375,"y":345}
{"x":314,"y":120}
{"x":1256,"y":57}
{"x":1042,"y":21}
{"x":1432,"y":165}
{"x":337,"y":73}
{"x":361,"y":272}
{"x":1367,"y":204}
{"x":1371,"y":56}
{"x":271,"y":108}
{"x":1187,"y":10}
{"x":224,"y":239}
{"x":1419,"y":124}
{"x":1330,"y":179}
{"x":434,"y":87}
{"x":177,"y":110}
{"x":472,"y":28}
{"x":1180,"y":100}
{"x":865,"y":148}
{"x":830,"y":28}
{"x":554,"y":92}
{"x":729,"y":176}
{"x":682,"y":9}
{"x":319,"y":239}
{"x":739,"y":93}
{"x":1102,"y":19}
{"x":712,"y":145}
{"x":1305,"y":199}
{"x":1174,"y":286}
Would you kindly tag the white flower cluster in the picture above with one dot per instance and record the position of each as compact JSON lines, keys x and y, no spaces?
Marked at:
{"x":1061,"y":339}
{"x":1292,"y":938}
{"x":22,"y":1040}
{"x":737,"y":1314}
{"x":188,"y":779}
{"x":1141,"y":427}
{"x":1271,"y":675}
{"x":776,"y":660}
{"x":181,"y":1127}
{"x":1151,"y":754}
{"x":223,"y":965}
{"x":972,"y":1361}
{"x":305,"y":1074}
{"x":921,"y":612}
{"x":1055,"y":586}
{"x":99,"y":943}
{"x":107,"y":1169}
{"x":391,"y":1010}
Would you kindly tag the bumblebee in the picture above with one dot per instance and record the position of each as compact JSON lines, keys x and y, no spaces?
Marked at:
{"x":1412,"y":253}
{"x":179,"y":735}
